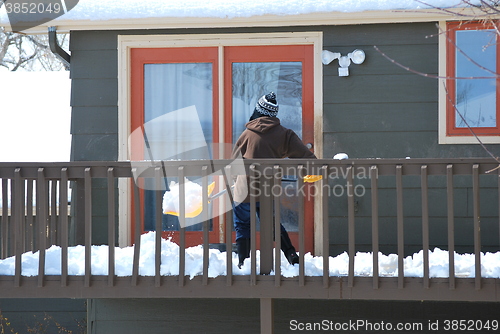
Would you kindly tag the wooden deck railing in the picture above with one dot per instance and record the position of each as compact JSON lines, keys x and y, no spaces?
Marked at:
{"x":35,"y":215}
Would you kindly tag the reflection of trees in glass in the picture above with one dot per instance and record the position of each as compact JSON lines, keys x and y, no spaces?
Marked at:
{"x":253,"y":79}
{"x":475,"y":97}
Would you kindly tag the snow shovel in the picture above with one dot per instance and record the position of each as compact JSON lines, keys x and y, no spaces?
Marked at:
{"x":197,"y":207}
{"x":192,"y":209}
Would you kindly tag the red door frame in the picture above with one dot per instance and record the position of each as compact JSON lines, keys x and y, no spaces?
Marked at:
{"x":273,"y":53}
{"x":141,"y":56}
{"x":451,"y":49}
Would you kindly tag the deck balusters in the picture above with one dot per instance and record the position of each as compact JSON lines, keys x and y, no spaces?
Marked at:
{"x":182,"y":222}
{"x":425,"y":223}
{"x":53,"y":213}
{"x":63,"y":216}
{"x":325,"y":226}
{"x":158,"y":224}
{"x":277,"y":226}
{"x":5,"y":219}
{"x":451,"y":225}
{"x":477,"y":225}
{"x":88,"y":225}
{"x":401,"y":243}
{"x":351,"y":225}
{"x":30,"y":226}
{"x":375,"y":224}
{"x":46,"y":189}
{"x":18,"y":218}
{"x":206,"y":223}
{"x":228,"y":230}
{"x":41,"y":217}
{"x":253,"y":224}
{"x":301,"y":223}
{"x":137,"y":229}
{"x":111,"y":226}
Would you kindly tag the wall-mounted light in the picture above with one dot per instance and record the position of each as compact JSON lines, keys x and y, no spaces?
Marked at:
{"x":357,"y":57}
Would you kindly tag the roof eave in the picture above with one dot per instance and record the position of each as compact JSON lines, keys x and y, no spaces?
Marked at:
{"x":313,"y":19}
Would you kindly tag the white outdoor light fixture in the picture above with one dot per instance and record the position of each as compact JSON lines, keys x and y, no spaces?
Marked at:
{"x":357,"y":57}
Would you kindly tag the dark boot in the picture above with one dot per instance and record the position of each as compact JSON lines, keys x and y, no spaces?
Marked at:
{"x":243,"y":249}
{"x":288,"y":249}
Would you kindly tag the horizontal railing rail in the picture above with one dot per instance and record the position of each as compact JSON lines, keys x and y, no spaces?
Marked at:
{"x":40,"y":208}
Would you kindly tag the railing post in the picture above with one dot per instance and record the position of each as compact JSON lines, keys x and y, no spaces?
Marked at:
{"x":5,"y":220}
{"x":451,"y":225}
{"x":229,"y":234}
{"x":182,"y":225}
{"x":206,"y":223}
{"x":18,"y":220}
{"x":351,"y":225}
{"x":266,"y":226}
{"x":301,"y":213}
{"x":42,"y":224}
{"x":158,"y":225}
{"x":425,"y":223}
{"x":401,"y":243}
{"x":30,"y":233}
{"x":477,"y":225}
{"x":111,"y":226}
{"x":88,"y":225}
{"x":277,"y":226}
{"x":53,"y":212}
{"x":375,"y":225}
{"x":63,"y":212}
{"x":253,"y":224}
{"x":325,"y":226}
{"x":266,"y":316}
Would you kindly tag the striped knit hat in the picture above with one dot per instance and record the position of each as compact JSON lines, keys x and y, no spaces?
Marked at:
{"x":267,"y":105}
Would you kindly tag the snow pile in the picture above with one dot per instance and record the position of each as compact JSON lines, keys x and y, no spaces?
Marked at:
{"x":338,"y":266}
{"x":340,"y":156}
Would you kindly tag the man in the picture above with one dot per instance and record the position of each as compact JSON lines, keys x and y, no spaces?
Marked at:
{"x":263,"y":138}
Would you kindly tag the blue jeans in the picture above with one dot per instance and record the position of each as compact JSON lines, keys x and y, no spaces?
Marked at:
{"x":241,"y":219}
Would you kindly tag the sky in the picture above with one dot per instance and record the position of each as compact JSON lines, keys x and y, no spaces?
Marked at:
{"x":35,"y":116}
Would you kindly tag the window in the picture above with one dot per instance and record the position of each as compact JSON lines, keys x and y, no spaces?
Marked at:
{"x":472,"y":86}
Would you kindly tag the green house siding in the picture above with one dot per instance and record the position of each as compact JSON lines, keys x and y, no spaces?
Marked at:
{"x":297,"y":315}
{"x":379,"y":111}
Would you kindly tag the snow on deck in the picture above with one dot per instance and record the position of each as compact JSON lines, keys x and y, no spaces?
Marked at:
{"x":338,"y":265}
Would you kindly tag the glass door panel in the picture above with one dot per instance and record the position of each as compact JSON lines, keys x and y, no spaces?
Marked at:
{"x":174,"y":92}
{"x":252,"y":80}
{"x":287,"y":70}
{"x":167,"y":89}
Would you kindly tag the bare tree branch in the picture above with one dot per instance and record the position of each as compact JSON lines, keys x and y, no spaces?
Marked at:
{"x":488,"y":10}
{"x":427,"y":75}
{"x":28,"y":52}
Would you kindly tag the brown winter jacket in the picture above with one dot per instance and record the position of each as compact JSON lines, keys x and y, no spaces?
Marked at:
{"x":266,"y":138}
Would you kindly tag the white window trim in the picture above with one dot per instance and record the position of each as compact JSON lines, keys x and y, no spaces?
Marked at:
{"x":443,"y":100}
{"x":127,"y":42}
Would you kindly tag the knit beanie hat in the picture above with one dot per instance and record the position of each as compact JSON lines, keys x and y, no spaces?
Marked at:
{"x":267,"y":105}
